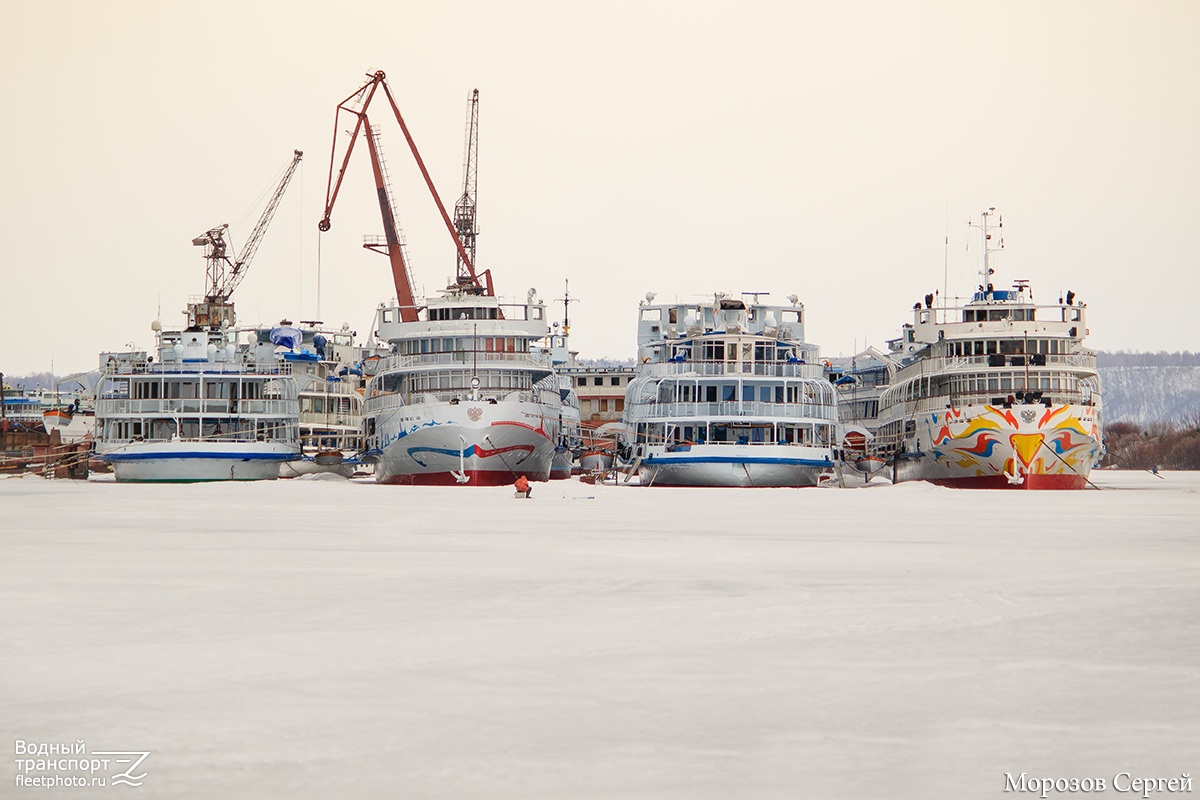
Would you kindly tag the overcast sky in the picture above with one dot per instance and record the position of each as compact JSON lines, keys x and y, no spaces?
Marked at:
{"x":825,"y":149}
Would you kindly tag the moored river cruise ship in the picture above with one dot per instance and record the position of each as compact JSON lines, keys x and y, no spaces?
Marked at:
{"x":463,"y":398}
{"x":728,"y":393}
{"x":999,"y":392}
{"x":203,"y":410}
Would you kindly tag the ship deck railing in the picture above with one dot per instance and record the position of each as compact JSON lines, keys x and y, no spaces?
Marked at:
{"x":732,"y":410}
{"x":463,"y":358}
{"x":1045,"y":398}
{"x":207,"y":407}
{"x":248,"y":369}
{"x":957,"y":363}
{"x":318,"y":418}
{"x":380,"y":401}
{"x":319,"y":388}
{"x":768,"y":369}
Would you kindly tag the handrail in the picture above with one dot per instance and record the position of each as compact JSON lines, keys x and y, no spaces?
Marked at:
{"x":207,"y":407}
{"x":249,"y":369}
{"x":462,"y":358}
{"x":771,"y":369}
{"x":945,"y":363}
{"x":939,"y":402}
{"x":733,"y":410}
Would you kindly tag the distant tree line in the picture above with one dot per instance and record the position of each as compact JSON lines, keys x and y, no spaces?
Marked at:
{"x":1160,"y":359}
{"x":1161,"y":445}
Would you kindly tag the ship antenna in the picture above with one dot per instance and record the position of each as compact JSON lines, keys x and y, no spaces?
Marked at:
{"x":566,"y":301}
{"x":988,"y":270}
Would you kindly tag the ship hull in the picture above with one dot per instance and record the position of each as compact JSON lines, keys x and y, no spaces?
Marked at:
{"x":474,"y":444}
{"x":596,"y":459}
{"x":56,"y":419}
{"x":989,"y":447}
{"x":759,"y":466}
{"x":560,"y":465}
{"x":311,"y":466}
{"x":194,"y":461}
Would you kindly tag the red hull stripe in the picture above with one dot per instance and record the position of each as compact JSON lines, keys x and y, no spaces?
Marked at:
{"x":478,"y":478}
{"x":1035,"y":481}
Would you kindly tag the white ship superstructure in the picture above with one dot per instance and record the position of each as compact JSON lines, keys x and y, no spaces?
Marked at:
{"x":998,"y":392}
{"x":728,"y":393}
{"x":570,"y":431}
{"x":201,"y":410}
{"x":327,"y":366}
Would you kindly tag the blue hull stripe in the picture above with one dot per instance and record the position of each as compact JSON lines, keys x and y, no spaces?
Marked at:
{"x":199,"y":456}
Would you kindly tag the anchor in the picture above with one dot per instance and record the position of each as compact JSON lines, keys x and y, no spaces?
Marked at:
{"x":461,"y":476}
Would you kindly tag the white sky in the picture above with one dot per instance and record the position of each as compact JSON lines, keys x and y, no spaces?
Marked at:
{"x":825,"y":149}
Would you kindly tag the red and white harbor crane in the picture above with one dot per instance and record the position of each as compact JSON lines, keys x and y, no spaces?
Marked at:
{"x":357,"y":106}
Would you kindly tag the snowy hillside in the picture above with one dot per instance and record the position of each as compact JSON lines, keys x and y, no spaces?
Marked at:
{"x":1147,"y":387}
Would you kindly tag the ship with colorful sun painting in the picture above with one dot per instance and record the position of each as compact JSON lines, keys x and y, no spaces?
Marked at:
{"x":999,"y":392}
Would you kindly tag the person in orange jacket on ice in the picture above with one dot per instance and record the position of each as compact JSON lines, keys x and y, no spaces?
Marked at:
{"x":522,"y":485}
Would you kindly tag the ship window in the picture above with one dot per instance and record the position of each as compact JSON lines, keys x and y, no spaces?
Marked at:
{"x":1006,"y":384}
{"x":186,"y":390}
{"x":1010,"y":346}
{"x":614,"y":381}
{"x":993,"y":384}
{"x":651,"y":314}
{"x":673,"y":315}
{"x":1075,"y":315}
{"x":728,"y":392}
{"x":997,"y":314}
{"x":710,"y":394}
{"x":991,"y":347}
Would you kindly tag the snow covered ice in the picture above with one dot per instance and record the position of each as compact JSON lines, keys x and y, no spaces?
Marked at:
{"x":341,"y":639}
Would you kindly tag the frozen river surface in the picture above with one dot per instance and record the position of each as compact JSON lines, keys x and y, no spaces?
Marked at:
{"x":337,"y":639}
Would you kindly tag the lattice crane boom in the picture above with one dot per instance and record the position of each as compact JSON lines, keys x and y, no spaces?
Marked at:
{"x":225,"y":272}
{"x":464,"y":209}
